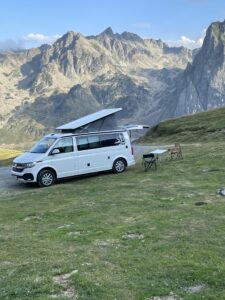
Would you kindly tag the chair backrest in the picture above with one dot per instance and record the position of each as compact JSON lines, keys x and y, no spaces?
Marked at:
{"x":177,"y":145}
{"x":150,"y":155}
{"x":174,"y":150}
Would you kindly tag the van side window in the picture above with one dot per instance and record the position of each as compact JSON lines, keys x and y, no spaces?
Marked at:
{"x":112,"y":139}
{"x":64,"y":145}
{"x":82,"y":143}
{"x":88,"y":142}
{"x":94,"y":141}
{"x":98,"y":141}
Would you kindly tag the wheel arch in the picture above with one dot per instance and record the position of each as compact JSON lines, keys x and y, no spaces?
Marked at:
{"x":49,"y":169}
{"x":120,"y":156}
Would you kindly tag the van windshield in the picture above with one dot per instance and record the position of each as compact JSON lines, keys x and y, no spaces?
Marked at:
{"x":43,"y":145}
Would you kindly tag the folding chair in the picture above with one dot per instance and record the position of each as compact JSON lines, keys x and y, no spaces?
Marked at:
{"x":176,"y":152}
{"x":149,"y":161}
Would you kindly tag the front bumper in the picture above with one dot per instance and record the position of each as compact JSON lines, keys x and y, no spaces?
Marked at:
{"x":28,"y":177}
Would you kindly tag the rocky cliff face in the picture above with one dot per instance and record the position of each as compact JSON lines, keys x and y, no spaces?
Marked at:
{"x":202,"y":85}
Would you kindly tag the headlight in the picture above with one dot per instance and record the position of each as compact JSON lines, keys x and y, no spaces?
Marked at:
{"x":29,"y":165}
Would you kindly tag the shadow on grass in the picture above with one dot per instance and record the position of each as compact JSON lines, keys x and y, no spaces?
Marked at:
{"x":33,"y":185}
{"x":82,"y":177}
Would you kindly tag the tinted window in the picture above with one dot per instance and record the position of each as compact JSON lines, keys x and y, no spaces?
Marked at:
{"x":82,"y":143}
{"x":112,"y":139}
{"x":97,"y":141}
{"x":65,"y":145}
{"x":94,"y":141}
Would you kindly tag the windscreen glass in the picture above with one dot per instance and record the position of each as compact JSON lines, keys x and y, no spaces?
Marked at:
{"x":43,"y":145}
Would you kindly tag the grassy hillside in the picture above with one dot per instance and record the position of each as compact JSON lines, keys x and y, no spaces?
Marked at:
{"x":22,"y":130}
{"x":206,"y":126}
{"x":7,"y":155}
{"x":131,"y":236}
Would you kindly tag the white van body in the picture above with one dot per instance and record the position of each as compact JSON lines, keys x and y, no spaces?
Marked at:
{"x":66,"y":155}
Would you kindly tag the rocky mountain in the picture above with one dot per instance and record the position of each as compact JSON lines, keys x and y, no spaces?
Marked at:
{"x":44,"y":87}
{"x":202,"y":85}
{"x":77,"y":75}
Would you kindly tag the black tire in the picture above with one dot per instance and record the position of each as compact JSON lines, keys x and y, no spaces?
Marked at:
{"x":46,"y":178}
{"x":119,"y":165}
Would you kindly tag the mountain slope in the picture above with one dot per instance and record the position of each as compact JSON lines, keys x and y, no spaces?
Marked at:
{"x":200,"y":127}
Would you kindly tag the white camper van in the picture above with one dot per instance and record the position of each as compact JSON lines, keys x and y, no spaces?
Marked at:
{"x":74,"y":152}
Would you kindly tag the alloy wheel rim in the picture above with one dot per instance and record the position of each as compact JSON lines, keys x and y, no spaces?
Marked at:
{"x":47,"y":179}
{"x":119,"y":166}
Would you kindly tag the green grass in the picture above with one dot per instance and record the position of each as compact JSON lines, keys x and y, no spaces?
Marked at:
{"x":7,"y":156}
{"x":203,"y":127}
{"x":84,"y":225}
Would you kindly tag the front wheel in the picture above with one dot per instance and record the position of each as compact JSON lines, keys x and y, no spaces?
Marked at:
{"x":46,"y":178}
{"x":119,"y":165}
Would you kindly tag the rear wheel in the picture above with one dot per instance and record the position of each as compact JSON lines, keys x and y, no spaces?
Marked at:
{"x":119,"y":165}
{"x":46,"y":178}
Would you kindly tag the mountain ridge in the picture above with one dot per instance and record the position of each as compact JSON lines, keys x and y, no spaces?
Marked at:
{"x":77,"y":75}
{"x":103,"y":65}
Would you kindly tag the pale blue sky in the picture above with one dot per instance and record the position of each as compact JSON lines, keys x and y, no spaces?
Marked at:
{"x":168,"y":20}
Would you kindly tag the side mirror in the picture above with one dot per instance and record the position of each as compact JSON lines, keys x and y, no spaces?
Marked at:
{"x":55,"y":151}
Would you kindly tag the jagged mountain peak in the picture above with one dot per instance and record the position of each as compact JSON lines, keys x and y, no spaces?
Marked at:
{"x":215,"y":37}
{"x":202,"y":85}
{"x":212,"y":54}
{"x":68,"y":38}
{"x":71,"y":34}
{"x":108,"y":31}
{"x":217,"y":28}
{"x":131,"y":36}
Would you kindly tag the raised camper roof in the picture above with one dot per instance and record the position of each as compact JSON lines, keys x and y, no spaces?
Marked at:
{"x":102,"y":120}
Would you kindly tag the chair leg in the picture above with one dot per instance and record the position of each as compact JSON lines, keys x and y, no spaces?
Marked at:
{"x":149,"y":164}
{"x":146,"y":166}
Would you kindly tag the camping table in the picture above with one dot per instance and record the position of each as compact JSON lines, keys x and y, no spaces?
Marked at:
{"x":159,"y":152}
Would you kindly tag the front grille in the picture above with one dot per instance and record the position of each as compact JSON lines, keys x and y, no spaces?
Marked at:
{"x":17,"y":169}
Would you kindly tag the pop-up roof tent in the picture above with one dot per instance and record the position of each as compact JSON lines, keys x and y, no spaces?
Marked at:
{"x":103,"y":120}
